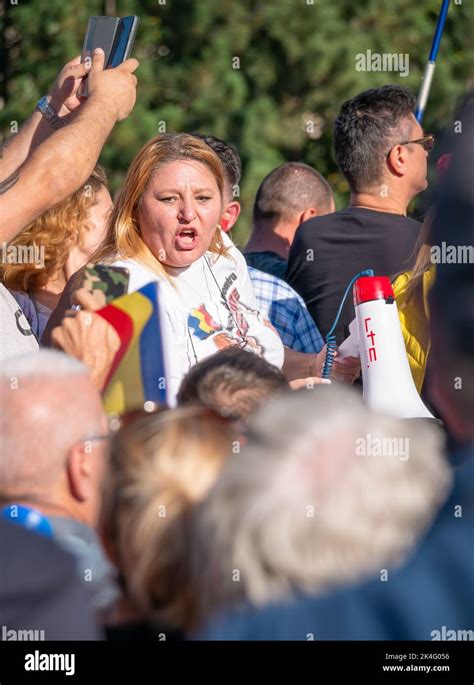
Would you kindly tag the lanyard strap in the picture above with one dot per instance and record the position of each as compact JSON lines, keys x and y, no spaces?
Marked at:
{"x":27,"y":517}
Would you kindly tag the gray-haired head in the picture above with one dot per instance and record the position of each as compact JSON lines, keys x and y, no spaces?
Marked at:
{"x":325,"y":493}
{"x":46,"y":363}
{"x":47,"y":404}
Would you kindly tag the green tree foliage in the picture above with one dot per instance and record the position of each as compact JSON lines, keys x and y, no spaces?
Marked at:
{"x":266,"y":75}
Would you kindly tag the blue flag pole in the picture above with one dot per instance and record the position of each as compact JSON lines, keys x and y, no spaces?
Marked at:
{"x":431,"y":64}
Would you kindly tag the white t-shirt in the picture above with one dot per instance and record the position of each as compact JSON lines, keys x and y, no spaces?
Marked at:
{"x":16,"y":336}
{"x":206,"y":307}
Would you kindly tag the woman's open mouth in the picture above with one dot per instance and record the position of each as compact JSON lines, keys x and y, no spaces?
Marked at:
{"x":186,"y":238}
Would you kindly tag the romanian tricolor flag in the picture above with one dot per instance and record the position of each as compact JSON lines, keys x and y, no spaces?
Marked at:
{"x":202,"y":323}
{"x":138,"y":370}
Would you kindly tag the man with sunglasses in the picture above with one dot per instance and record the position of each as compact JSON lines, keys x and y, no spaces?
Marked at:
{"x":382,"y":151}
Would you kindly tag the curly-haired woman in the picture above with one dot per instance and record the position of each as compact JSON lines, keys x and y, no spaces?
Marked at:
{"x":65,"y":236}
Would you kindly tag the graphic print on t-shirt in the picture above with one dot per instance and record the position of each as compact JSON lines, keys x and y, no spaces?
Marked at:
{"x":237,"y":323}
{"x":234,"y":330}
{"x":201,"y":323}
{"x":22,"y":323}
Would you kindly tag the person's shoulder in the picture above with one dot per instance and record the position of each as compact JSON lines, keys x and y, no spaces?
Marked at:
{"x":318,"y":227}
{"x":256,"y":274}
{"x":263,"y":276}
{"x":129,"y":263}
{"x":400,"y":283}
{"x":410,"y":221}
{"x":283,"y":290}
{"x":377,"y":217}
{"x":401,"y":234}
{"x":316,"y":222}
{"x":268,"y":261}
{"x":31,"y":546}
{"x":404,"y":223}
{"x":43,"y":576}
{"x":139,"y":275}
{"x":408,"y":228}
{"x":322,"y":219}
{"x":280,"y":289}
{"x":12,"y":299}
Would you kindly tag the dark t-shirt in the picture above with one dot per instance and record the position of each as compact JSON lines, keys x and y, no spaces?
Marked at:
{"x":329,"y":250}
{"x":267,"y":261}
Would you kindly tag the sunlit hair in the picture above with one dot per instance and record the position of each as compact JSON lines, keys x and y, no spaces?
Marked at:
{"x":308,"y":505}
{"x":58,"y":230}
{"x":161,"y":465}
{"x":124,"y":238}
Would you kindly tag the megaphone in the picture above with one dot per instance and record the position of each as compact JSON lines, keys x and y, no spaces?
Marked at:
{"x":376,"y":337}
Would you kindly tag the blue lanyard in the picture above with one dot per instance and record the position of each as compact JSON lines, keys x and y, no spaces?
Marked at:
{"x":28,"y":518}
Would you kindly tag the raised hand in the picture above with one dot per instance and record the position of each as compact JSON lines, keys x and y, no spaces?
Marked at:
{"x":63,"y":95}
{"x":116,"y":88}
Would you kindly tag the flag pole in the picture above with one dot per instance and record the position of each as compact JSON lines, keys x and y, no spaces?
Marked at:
{"x":431,"y":64}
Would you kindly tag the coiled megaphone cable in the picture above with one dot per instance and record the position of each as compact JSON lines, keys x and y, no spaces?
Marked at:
{"x":331,"y":345}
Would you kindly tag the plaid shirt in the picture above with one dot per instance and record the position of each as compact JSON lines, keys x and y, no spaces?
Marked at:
{"x":287,"y":312}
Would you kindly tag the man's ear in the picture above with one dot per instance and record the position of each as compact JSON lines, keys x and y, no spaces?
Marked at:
{"x":307,"y":214}
{"x":397,"y":160}
{"x":230,"y":215}
{"x":78,"y":469}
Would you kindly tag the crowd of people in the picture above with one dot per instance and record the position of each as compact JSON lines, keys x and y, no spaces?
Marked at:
{"x":241,"y":509}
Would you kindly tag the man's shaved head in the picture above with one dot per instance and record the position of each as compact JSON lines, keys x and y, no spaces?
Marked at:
{"x":290,"y":189}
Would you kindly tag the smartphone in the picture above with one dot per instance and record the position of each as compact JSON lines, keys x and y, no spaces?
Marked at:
{"x":124,"y":39}
{"x":101,"y":33}
{"x":105,"y":282}
{"x":115,"y":36}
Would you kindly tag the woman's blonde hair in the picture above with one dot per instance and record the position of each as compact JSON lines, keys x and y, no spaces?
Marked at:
{"x":58,"y":230}
{"x":124,"y":238}
{"x":160,"y":467}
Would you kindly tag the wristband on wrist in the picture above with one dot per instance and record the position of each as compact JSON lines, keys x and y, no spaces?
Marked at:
{"x":49,"y":113}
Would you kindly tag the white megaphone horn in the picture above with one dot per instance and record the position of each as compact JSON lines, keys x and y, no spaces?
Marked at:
{"x":377,"y":338}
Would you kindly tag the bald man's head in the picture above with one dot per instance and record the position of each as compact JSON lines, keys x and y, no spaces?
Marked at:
{"x":47,"y":406}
